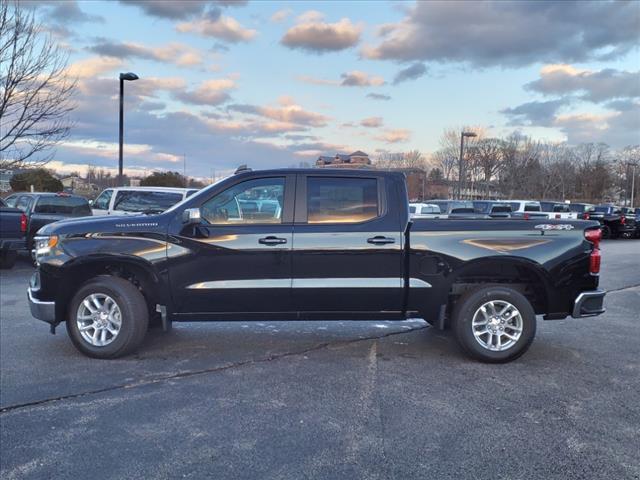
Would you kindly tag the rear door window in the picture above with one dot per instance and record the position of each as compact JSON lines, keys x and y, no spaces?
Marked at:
{"x":531,"y":207}
{"x":341,"y":199}
{"x":143,"y":201}
{"x":58,"y":205}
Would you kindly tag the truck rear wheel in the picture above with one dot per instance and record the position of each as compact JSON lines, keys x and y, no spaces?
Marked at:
{"x":107,"y":318}
{"x":494,"y":324}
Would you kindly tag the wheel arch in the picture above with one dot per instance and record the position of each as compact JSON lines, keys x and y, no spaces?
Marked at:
{"x":137,"y":271}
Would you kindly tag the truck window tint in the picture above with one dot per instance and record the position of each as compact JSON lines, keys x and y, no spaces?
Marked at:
{"x":341,"y":199}
{"x":63,"y":206}
{"x":102,"y":202}
{"x":412,"y":209}
{"x":142,"y":201}
{"x":250,"y":202}
{"x":501,"y":209}
{"x":531,"y":207}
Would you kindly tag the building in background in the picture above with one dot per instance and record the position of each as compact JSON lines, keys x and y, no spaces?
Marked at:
{"x":357,"y":159}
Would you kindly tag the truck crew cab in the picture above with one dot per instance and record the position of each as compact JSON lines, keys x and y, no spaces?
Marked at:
{"x":313,"y":244}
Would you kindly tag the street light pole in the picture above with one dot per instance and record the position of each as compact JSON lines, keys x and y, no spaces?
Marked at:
{"x":130,"y":77}
{"x":460,"y":176}
{"x":633,"y":181}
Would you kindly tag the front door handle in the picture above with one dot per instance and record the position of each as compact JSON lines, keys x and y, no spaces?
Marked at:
{"x":272,"y":241}
{"x":380,"y":240}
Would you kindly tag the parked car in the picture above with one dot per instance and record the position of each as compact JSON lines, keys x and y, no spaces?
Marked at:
{"x":614,"y":222}
{"x":340,"y":247}
{"x":13,"y":229}
{"x":526,"y":209}
{"x":42,"y":208}
{"x":460,"y":209}
{"x":492,"y":208}
{"x":559,"y":210}
{"x":138,"y":200}
{"x":583,"y":210}
{"x":425,"y":210}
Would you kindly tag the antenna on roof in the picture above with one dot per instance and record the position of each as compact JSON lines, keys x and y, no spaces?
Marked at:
{"x":241,"y":169}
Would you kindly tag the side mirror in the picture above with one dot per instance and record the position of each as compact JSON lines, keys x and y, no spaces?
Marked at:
{"x":191,"y":216}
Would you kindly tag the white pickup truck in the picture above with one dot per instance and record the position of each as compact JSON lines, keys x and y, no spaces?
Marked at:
{"x":138,"y":200}
{"x":558,"y":211}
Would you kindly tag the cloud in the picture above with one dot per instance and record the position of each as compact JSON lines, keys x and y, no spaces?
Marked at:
{"x":172,"y":10}
{"x":287,"y":112}
{"x":617,"y":129}
{"x":371,"y":122}
{"x":511,"y":34}
{"x":281,"y":15}
{"x":94,"y":66}
{"x":412,"y":72}
{"x":595,"y":86}
{"x":313,"y":34}
{"x":69,"y":12}
{"x":169,"y":10}
{"x":535,"y":113}
{"x":394,"y":136}
{"x":356,"y":78}
{"x":210,"y":92}
{"x":177,"y":53}
{"x":223,"y":28}
{"x":378,"y":96}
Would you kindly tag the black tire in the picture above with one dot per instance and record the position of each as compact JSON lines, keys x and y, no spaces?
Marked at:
{"x":465,"y":310}
{"x":606,"y":232}
{"x":8,"y":259}
{"x":134,"y":318}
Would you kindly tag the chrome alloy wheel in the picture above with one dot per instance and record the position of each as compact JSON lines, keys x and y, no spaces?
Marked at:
{"x":497,"y":325}
{"x":99,"y":319}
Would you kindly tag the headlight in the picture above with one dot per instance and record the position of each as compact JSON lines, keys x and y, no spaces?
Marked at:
{"x":43,"y":246}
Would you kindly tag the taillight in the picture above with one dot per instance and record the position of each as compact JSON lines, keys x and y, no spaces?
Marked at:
{"x":623,"y":220}
{"x":23,"y":223}
{"x":594,"y":262}
{"x":557,"y":215}
{"x":594,"y":236}
{"x":586,"y":216}
{"x":526,"y":216}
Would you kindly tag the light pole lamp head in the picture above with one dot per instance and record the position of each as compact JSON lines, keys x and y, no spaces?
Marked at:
{"x":129,"y":76}
{"x":469,"y":134}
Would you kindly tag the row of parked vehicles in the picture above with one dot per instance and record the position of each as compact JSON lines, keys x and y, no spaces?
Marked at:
{"x":615,"y":221}
{"x":22,"y":214}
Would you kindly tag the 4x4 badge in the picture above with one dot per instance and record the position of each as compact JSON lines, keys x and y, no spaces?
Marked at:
{"x":560,"y":226}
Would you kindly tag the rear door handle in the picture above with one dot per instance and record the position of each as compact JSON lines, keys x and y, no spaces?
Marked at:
{"x":272,"y":241}
{"x":380,"y":240}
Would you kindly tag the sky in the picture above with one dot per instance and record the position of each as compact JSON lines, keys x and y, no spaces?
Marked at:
{"x":273,"y":84}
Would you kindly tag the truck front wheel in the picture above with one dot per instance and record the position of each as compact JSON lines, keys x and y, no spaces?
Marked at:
{"x":108,"y":317}
{"x":494,"y":324}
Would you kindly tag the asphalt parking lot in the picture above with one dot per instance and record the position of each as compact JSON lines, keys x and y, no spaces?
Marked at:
{"x":278,"y":400}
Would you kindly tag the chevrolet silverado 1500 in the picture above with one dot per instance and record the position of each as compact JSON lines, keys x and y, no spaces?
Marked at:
{"x":313,"y":244}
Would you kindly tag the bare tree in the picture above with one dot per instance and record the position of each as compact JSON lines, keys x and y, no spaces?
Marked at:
{"x":486,"y":158}
{"x":35,"y":95}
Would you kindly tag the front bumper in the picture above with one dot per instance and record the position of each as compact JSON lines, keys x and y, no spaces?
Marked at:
{"x":589,"y":304}
{"x":45,"y":311}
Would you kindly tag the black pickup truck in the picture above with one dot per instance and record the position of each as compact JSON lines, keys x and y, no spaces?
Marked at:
{"x":313,"y":244}
{"x":614,"y":222}
{"x":13,"y":228}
